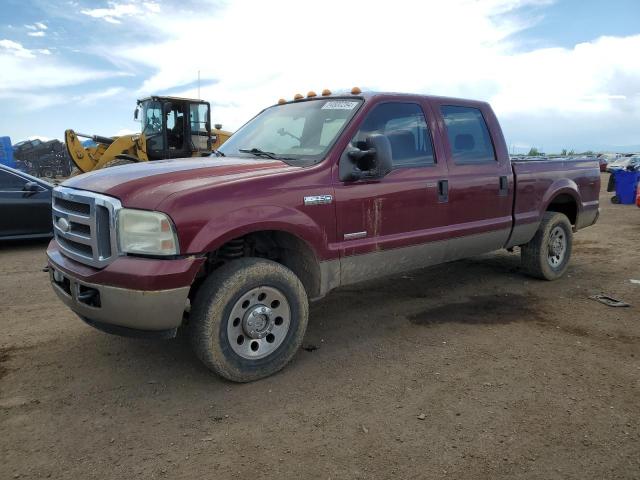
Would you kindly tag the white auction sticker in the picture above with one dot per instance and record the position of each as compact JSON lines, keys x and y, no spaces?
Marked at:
{"x":340,"y":105}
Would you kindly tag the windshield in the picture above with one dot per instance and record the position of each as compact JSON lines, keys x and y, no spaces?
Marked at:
{"x":300,"y":132}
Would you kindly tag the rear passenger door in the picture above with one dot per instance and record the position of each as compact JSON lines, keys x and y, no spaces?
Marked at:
{"x":480,"y":179}
{"x":380,"y":220}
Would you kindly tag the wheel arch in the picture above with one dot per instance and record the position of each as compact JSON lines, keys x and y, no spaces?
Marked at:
{"x":564,"y":198}
{"x":277,"y":244}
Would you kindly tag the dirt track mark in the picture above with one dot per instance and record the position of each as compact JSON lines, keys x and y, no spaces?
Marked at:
{"x":4,"y":356}
{"x":485,"y":309}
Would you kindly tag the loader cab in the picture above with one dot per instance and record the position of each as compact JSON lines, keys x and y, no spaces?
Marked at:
{"x":175,"y":127}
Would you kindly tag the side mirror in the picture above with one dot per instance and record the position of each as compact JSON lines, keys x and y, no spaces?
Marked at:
{"x":371,"y":162}
{"x":31,"y":187}
{"x":136,"y":113}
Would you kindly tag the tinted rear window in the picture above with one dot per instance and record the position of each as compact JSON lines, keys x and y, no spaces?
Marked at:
{"x":468,"y":135}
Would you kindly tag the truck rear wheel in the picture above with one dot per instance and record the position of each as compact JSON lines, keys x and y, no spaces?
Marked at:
{"x":547,"y":255}
{"x":248,"y":319}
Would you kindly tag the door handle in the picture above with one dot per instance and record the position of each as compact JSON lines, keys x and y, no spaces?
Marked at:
{"x":443,"y":191}
{"x":503,"y":186}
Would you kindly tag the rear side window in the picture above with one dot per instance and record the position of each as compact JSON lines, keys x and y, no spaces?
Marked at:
{"x":405,"y":127}
{"x":10,"y":182}
{"x":468,"y":135}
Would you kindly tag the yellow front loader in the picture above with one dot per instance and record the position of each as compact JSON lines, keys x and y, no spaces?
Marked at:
{"x":172,"y":127}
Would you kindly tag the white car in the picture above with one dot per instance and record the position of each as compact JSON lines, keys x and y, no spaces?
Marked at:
{"x":623,"y":163}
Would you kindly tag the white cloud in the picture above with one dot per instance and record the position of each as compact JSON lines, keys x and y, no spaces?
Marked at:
{"x":117,"y":11}
{"x":94,"y":97}
{"x":458,"y":48}
{"x":37,"y":29}
{"x":39,"y":137}
{"x":26,"y":81}
{"x":126,"y":131}
{"x":14,"y":49}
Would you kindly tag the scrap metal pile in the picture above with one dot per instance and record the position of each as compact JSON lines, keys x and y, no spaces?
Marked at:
{"x":47,"y":159}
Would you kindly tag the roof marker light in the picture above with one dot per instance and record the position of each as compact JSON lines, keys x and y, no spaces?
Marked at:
{"x":356,"y":91}
{"x":326,"y":92}
{"x":311,"y":94}
{"x":281,"y":101}
{"x":297,"y":96}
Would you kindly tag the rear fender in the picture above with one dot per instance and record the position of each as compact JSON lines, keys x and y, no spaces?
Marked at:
{"x":560,"y":187}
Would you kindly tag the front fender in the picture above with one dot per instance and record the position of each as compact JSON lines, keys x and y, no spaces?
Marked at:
{"x":229,"y":225}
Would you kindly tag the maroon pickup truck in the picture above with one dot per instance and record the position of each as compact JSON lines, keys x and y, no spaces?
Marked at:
{"x":309,"y":195}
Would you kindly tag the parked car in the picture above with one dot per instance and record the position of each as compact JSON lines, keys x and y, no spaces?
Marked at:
{"x":624,"y":163}
{"x":25,"y":205}
{"x":603,"y":162}
{"x":309,"y":195}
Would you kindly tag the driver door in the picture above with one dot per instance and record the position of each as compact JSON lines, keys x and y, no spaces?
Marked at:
{"x":384,"y":224}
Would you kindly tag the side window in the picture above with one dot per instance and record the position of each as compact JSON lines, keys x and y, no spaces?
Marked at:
{"x":10,"y":182}
{"x":405,"y":127}
{"x":198,"y":118}
{"x":468,"y":135}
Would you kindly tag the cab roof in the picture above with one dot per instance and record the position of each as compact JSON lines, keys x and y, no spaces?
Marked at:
{"x":157,"y":98}
{"x":370,"y":94}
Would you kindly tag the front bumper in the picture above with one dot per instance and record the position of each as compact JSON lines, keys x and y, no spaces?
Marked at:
{"x":121,"y":310}
{"x":132,"y":296}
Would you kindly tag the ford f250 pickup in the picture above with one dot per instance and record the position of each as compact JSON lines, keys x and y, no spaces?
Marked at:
{"x":311,"y":194}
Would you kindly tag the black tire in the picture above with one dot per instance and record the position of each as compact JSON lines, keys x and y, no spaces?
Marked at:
{"x":536,"y":256}
{"x":212,"y":308}
{"x":117,"y":162}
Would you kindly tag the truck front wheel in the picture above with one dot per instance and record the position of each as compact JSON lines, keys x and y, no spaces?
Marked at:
{"x":248,"y":319}
{"x":547,"y":255}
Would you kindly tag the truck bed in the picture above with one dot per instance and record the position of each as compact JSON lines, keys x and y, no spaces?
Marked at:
{"x":576,"y":180}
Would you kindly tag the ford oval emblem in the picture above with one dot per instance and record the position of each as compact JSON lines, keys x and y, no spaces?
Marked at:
{"x":63,"y":225}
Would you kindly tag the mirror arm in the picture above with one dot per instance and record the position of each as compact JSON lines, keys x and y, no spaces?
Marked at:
{"x":360,"y":154}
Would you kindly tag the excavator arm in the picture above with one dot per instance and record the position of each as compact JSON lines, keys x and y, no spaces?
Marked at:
{"x":87,"y":159}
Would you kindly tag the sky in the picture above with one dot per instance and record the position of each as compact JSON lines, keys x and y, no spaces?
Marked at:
{"x":558,"y":73}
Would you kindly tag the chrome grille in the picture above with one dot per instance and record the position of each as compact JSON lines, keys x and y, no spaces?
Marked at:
{"x":84,"y":225}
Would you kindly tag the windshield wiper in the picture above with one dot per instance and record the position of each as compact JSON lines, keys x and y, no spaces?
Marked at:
{"x":259,"y":153}
{"x":218,"y":153}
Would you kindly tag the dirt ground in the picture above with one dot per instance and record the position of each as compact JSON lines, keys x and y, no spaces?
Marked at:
{"x":469,"y":370}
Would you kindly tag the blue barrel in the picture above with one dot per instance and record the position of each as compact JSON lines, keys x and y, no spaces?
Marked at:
{"x":626,"y":186}
{"x":6,"y":152}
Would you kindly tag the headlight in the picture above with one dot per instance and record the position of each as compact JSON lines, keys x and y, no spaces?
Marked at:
{"x":149,"y":233}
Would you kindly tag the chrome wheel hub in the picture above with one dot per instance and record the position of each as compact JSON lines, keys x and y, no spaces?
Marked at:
{"x":557,"y":247}
{"x":259,"y":322}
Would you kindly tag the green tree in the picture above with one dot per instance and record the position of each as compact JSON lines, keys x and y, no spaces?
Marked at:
{"x":564,"y":152}
{"x":534,"y":152}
